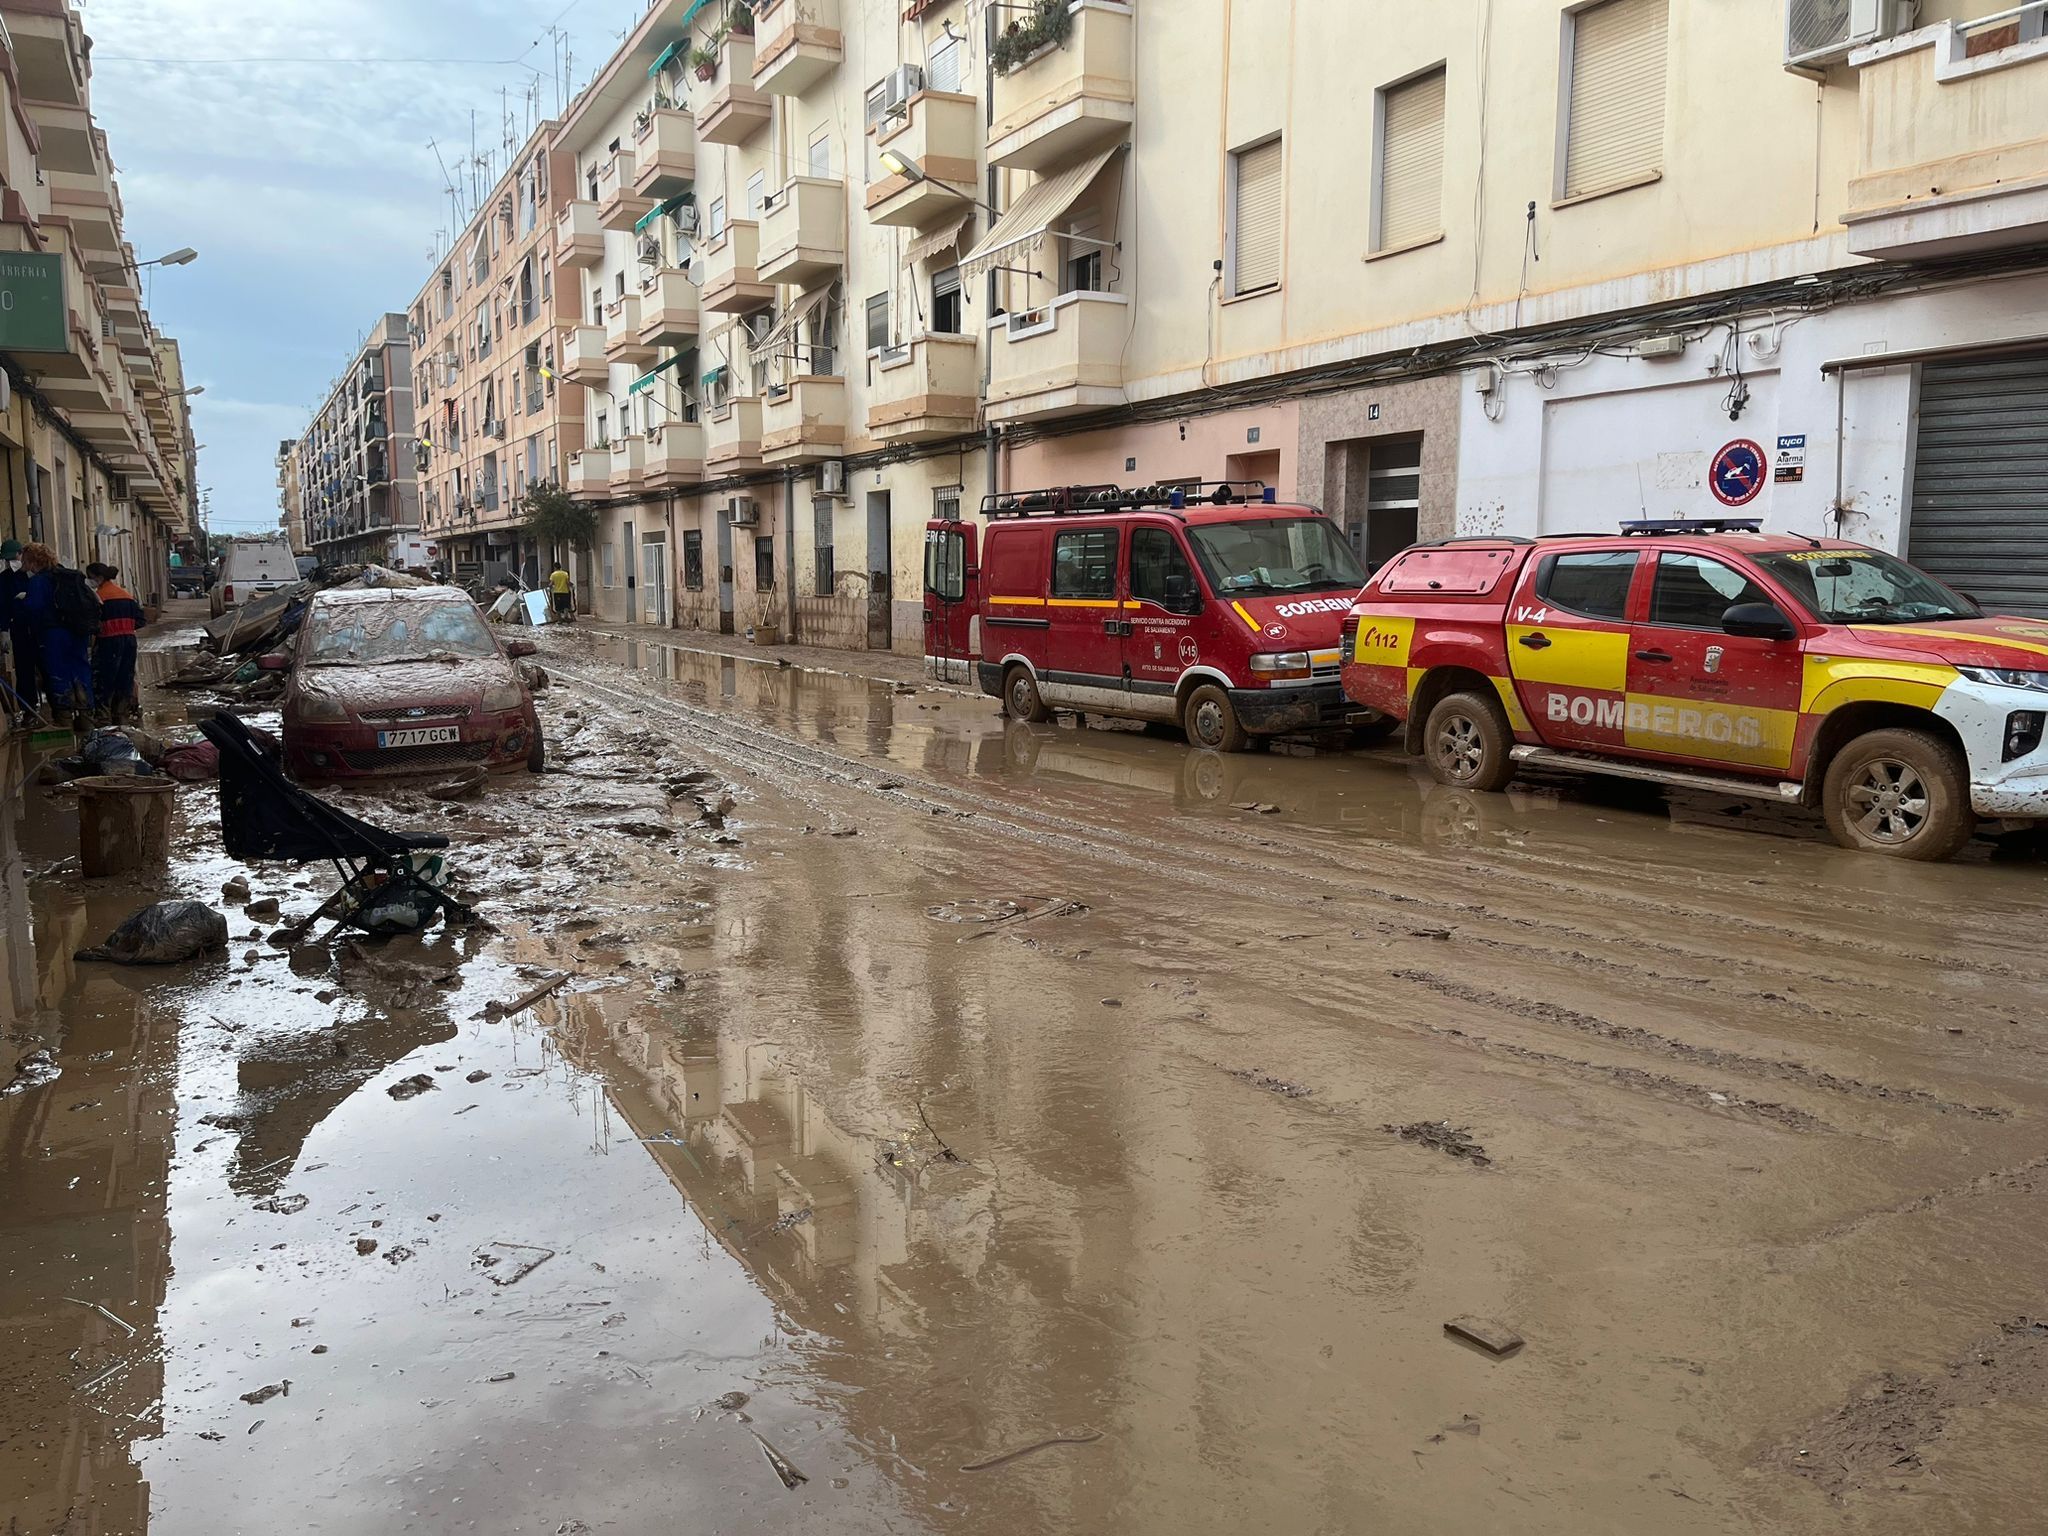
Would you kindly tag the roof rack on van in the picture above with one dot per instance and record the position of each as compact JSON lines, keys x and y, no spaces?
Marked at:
{"x":1694,"y":525}
{"x":1064,"y":500}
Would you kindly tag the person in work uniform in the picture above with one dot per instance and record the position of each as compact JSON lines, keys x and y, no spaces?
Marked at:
{"x":560,"y":594}
{"x":21,"y":634}
{"x":64,"y":612}
{"x":113,"y":652}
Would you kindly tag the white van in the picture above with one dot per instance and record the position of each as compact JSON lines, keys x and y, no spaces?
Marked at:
{"x":250,"y":568}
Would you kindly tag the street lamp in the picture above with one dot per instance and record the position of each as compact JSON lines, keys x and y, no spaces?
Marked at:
{"x":184,"y":255}
{"x":179,"y":394}
{"x":902,"y":165}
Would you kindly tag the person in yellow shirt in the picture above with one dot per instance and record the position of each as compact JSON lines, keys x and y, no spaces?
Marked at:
{"x":560,"y":595}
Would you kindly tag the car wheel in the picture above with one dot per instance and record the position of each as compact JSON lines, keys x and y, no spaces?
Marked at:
{"x":1899,"y":792}
{"x":537,"y":754}
{"x":1020,"y":697}
{"x":1466,"y":743}
{"x":1211,"y":722}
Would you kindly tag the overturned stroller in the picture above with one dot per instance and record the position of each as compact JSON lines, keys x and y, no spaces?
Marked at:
{"x":391,"y":881}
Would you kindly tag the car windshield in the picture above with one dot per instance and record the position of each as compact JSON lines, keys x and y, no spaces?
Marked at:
{"x":1864,"y":586}
{"x":1263,"y":556}
{"x":349,"y":634}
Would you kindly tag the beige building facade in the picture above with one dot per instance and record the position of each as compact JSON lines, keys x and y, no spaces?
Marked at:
{"x":845,"y":265}
{"x":96,"y":452}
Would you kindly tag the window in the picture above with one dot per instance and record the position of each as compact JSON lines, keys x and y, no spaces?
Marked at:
{"x":1084,"y":563}
{"x":1594,"y":584}
{"x":945,"y":564}
{"x":1160,"y":572}
{"x":1408,"y":178}
{"x":693,"y":561}
{"x":947,"y":316}
{"x":604,"y":426}
{"x":597,"y":305}
{"x":714,"y":219}
{"x":1393,"y":499}
{"x":821,"y":154}
{"x":942,"y":63}
{"x":822,"y":511}
{"x":878,"y":322}
{"x":946,"y":504}
{"x":610,"y":563}
{"x":619,"y":284}
{"x":1252,"y":239}
{"x":1693,"y":591}
{"x":764,"y":563}
{"x":757,"y":190}
{"x":1083,"y":273}
{"x":1613,"y":96}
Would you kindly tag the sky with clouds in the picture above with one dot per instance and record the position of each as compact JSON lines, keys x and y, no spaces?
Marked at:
{"x":260,"y":132}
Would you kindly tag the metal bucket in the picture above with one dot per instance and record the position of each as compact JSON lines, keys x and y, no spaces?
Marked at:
{"x":124,"y":823}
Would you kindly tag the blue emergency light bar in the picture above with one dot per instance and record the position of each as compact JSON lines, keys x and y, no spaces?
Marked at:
{"x":1694,"y":525}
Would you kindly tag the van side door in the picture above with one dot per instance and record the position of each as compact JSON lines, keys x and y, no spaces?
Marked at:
{"x":1160,"y":616}
{"x":1567,"y":645}
{"x":1084,"y":605}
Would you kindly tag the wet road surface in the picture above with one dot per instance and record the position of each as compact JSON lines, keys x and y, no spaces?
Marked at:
{"x":962,"y":1088}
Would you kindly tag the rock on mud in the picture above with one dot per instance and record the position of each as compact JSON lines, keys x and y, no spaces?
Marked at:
{"x":1444,"y":1137}
{"x":162,"y":934}
{"x":411,"y":1087}
{"x":35,"y":1070}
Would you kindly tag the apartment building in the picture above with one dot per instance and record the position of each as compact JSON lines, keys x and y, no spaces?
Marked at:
{"x":291,"y":521}
{"x":355,"y":472}
{"x":486,"y":331}
{"x":96,"y":450}
{"x":1467,"y":267}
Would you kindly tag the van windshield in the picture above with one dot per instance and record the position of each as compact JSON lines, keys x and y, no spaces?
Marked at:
{"x":1264,"y":556}
{"x":1863,"y":586}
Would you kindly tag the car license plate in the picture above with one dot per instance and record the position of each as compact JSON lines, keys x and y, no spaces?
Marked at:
{"x":419,"y":736}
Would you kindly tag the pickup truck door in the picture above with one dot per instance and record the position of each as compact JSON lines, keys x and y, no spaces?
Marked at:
{"x":1701,"y":694}
{"x":1567,"y":645}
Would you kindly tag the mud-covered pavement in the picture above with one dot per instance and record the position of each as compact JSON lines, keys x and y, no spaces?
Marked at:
{"x":925,"y":1091}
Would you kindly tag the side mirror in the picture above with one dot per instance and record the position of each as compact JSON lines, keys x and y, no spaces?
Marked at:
{"x":1976,"y":608}
{"x":518,"y":648}
{"x":1757,"y":621}
{"x":275,"y":661}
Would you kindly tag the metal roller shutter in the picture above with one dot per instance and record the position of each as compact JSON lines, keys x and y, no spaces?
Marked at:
{"x":1616,"y":129}
{"x":1256,"y":218}
{"x":1412,"y":162}
{"x":1980,"y":479}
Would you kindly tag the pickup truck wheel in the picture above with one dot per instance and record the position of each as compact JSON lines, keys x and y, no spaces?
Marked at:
{"x":1466,"y":741}
{"x":1901,"y":792}
{"x":1020,"y":697}
{"x":1210,"y":722}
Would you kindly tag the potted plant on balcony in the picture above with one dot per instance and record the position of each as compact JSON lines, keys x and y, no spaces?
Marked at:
{"x":739,"y":19}
{"x":1047,"y":25}
{"x":704,"y":61}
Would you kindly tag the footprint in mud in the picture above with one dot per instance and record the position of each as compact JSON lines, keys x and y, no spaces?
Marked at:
{"x":976,"y":909}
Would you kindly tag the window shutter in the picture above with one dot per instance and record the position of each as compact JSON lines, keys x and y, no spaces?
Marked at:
{"x":942,"y":66}
{"x":1412,"y":162}
{"x":1616,"y":128}
{"x":1256,"y":219}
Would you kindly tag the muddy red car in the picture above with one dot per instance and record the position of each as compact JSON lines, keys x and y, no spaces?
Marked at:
{"x":392,"y":681}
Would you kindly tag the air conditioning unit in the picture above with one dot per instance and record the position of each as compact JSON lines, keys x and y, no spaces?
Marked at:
{"x":686,"y":219}
{"x":650,"y":249}
{"x":898,"y":86}
{"x":832,"y":477}
{"x":743,"y":512}
{"x":1823,"y":32}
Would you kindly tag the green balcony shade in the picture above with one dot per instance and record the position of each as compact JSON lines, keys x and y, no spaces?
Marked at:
{"x":713,"y":376}
{"x":648,"y":379}
{"x":659,"y":209}
{"x":668,"y":55}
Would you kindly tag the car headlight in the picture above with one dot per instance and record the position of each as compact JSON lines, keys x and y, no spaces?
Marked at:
{"x":503,"y":699}
{"x":2004,"y":677}
{"x":1281,"y":664}
{"x":319,"y":705}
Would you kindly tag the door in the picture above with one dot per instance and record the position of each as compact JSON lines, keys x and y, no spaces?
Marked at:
{"x":1699,"y":693}
{"x":1159,"y":640}
{"x":628,"y":542}
{"x":949,"y":600}
{"x":1980,"y":479}
{"x":654,"y":581}
{"x":1084,"y":614}
{"x":881,"y":633}
{"x":724,"y":573}
{"x":1568,"y":637}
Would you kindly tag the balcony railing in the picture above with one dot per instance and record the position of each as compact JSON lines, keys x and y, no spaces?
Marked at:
{"x":732,"y":437}
{"x":622,"y":343}
{"x":618,"y":205}
{"x":675,"y":455}
{"x":941,"y":132}
{"x":928,"y":389}
{"x":1064,"y":358}
{"x":669,"y":307}
{"x":1070,"y":97}
{"x":731,"y":109}
{"x":579,"y":236}
{"x":629,"y":462}
{"x":796,"y":44}
{"x":664,"y":152}
{"x":804,"y":420}
{"x":732,"y":282}
{"x":803,"y":232}
{"x":590,"y":472}
{"x":583,"y":357}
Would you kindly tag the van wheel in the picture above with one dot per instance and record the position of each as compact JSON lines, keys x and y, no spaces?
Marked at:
{"x":1211,"y":722}
{"x":1020,"y":697}
{"x":1466,"y":742}
{"x":1901,"y":792}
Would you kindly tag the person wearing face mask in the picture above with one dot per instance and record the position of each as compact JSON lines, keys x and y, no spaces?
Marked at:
{"x":21,"y":635}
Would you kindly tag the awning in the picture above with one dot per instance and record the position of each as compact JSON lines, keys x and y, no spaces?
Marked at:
{"x":659,"y":209}
{"x":715,"y":375}
{"x":945,"y":238}
{"x":648,"y":379}
{"x":800,"y":310}
{"x":668,"y":54}
{"x":1019,"y":232}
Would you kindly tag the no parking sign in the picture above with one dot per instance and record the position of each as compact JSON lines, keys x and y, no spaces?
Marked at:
{"x":1737,"y":475}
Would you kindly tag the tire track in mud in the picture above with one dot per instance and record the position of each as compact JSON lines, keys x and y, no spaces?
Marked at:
{"x":2020,"y":1179}
{"x":1638,"y":1038}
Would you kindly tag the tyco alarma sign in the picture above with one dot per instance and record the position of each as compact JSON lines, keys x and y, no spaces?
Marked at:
{"x":31,"y":303}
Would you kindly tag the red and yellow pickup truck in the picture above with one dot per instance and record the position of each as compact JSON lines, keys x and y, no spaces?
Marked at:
{"x":1713,"y":656}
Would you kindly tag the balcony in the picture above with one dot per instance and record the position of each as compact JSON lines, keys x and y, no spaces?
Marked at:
{"x":664,"y":153}
{"x":622,"y":343}
{"x":1953,"y":153}
{"x":1068,"y":98}
{"x":803,"y":232}
{"x":1059,"y":360}
{"x":733,"y":284}
{"x":732,"y":437}
{"x":629,"y":463}
{"x":579,"y":237}
{"x":49,"y":53}
{"x":583,"y":357}
{"x":732,"y":108}
{"x":941,"y":132}
{"x":796,"y":44}
{"x":89,"y":203}
{"x":590,"y":473}
{"x":669,"y":304}
{"x":675,"y":456}
{"x":929,"y":389}
{"x":804,"y":421}
{"x":618,"y":205}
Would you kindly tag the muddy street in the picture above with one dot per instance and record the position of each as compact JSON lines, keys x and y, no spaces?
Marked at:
{"x":945,"y":1125}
